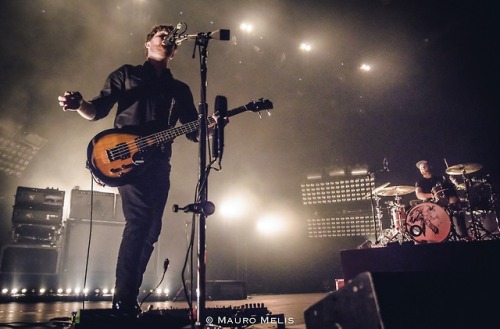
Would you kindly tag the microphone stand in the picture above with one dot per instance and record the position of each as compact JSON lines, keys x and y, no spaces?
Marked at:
{"x":202,"y":43}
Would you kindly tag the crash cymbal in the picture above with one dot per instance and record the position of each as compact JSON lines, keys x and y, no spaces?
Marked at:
{"x":466,"y":168}
{"x":396,"y":190}
{"x":375,"y":190}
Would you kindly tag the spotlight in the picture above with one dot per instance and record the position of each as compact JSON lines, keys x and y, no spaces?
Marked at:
{"x":305,"y":47}
{"x":365,"y":67}
{"x":246,"y":27}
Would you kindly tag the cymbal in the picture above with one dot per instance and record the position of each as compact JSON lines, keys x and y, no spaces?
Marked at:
{"x":396,"y":190}
{"x":466,"y":168}
{"x":375,"y":190}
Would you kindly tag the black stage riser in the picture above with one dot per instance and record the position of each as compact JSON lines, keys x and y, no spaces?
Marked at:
{"x":424,"y":300}
{"x":478,"y":257}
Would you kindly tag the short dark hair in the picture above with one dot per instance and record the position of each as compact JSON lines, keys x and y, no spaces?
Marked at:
{"x":160,"y":27}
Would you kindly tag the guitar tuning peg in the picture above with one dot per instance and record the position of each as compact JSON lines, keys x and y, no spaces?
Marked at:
{"x":260,"y":115}
{"x":268,"y":113}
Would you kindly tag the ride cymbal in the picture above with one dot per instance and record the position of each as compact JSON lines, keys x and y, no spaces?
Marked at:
{"x":463,"y":169}
{"x":396,"y":190}
{"x":375,"y":190}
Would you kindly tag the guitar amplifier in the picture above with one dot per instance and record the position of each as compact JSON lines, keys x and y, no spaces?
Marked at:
{"x":41,"y":215}
{"x":29,"y":259}
{"x":102,"y":205}
{"x":47,"y":235}
{"x":32,"y":197}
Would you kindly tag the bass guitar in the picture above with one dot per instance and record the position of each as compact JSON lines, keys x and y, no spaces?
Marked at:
{"x":114,"y":155}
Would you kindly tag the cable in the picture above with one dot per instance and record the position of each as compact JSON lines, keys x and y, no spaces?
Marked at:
{"x":165,"y":268}
{"x":89,"y":241}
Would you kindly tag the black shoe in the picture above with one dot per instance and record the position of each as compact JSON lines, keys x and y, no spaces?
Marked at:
{"x":129,"y":310}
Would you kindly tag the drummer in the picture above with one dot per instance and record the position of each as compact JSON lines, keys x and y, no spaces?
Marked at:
{"x":437,"y":189}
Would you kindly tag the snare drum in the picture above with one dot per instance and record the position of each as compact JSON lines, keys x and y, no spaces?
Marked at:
{"x":427,"y":222}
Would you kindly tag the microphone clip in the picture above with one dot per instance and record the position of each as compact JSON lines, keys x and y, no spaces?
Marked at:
{"x":206,"y":208}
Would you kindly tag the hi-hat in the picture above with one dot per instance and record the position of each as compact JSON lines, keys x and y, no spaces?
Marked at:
{"x":375,"y":190}
{"x":396,"y":190}
{"x":463,"y":169}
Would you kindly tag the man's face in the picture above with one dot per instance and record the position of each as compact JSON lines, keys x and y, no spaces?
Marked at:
{"x":424,"y":168}
{"x":156,"y":46}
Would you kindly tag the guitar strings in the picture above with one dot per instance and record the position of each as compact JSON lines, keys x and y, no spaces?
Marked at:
{"x":142,"y":142}
{"x":139,"y":143}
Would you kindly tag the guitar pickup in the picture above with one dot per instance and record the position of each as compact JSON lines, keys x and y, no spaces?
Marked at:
{"x":119,"y":152}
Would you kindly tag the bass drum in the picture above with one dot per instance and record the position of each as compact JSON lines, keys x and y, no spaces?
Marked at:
{"x":427,"y":223}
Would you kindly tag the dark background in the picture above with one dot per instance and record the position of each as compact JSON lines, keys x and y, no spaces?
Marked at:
{"x":431,"y":94}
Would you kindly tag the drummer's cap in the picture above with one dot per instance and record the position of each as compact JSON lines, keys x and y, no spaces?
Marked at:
{"x":421,"y":162}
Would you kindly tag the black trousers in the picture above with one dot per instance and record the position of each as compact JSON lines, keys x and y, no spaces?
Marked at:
{"x":143,"y":204}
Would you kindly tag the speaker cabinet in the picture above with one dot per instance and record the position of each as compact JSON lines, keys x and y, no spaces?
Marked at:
{"x":29,"y":259}
{"x":409,"y":300}
{"x":103,"y":252}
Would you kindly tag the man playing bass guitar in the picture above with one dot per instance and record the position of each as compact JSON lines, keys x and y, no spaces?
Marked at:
{"x":146,"y":94}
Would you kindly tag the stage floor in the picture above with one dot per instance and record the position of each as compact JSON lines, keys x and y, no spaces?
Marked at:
{"x":42,"y":315}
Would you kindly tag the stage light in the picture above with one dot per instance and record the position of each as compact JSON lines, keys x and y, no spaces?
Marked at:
{"x":365,"y":67}
{"x":359,"y":170}
{"x":105,"y":291}
{"x":315,"y":175}
{"x":5,"y":291}
{"x":341,"y":226}
{"x":60,"y":291}
{"x":336,"y":191}
{"x":270,"y":225}
{"x":166,"y":291}
{"x":305,"y":47}
{"x":233,"y":208}
{"x":246,"y":27}
{"x":14,"y":291}
{"x":17,"y":151}
{"x":41,"y":291}
{"x":336,"y":172}
{"x":68,"y":291}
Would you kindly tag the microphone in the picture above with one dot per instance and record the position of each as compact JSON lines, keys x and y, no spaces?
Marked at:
{"x":222,"y":34}
{"x":207,"y":208}
{"x":385,"y":163}
{"x":220,"y":110}
{"x":172,"y":37}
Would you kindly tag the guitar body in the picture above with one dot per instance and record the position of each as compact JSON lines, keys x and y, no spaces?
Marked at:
{"x":113,"y":155}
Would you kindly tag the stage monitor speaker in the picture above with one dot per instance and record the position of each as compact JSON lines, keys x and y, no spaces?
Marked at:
{"x":104,"y":245}
{"x":226,"y":290}
{"x":409,"y":300}
{"x":29,"y":259}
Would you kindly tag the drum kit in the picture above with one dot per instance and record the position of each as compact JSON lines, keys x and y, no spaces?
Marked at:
{"x":434,"y":221}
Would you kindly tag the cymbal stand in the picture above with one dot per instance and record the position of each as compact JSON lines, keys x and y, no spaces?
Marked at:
{"x":476,"y":227}
{"x":377,"y":216}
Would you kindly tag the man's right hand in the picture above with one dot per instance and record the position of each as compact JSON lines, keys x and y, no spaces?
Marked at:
{"x":71,"y":101}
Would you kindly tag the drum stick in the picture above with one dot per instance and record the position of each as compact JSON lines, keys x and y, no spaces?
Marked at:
{"x":446,"y":162}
